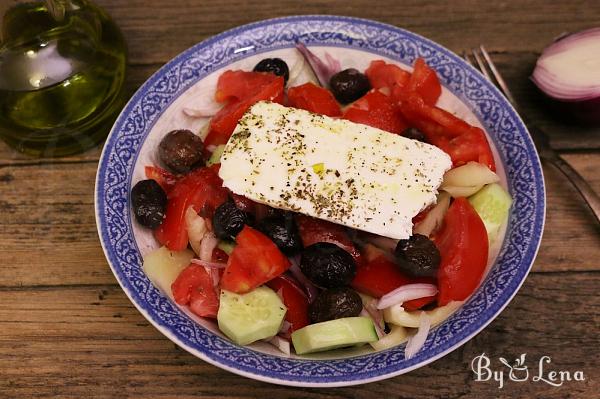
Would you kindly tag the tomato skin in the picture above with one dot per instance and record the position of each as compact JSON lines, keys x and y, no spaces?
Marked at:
{"x":313,"y":98}
{"x":424,"y":81}
{"x":294,"y":299}
{"x":202,"y":189}
{"x":377,"y":110}
{"x":378,"y":276}
{"x":194,"y":287}
{"x":313,"y":230}
{"x":463,"y":246}
{"x":225,"y":121}
{"x":417,"y":304}
{"x":454,"y":136}
{"x":165,"y":179}
{"x":382,"y":75}
{"x":239,"y":85}
{"x":254,"y":261}
{"x":219,"y":256}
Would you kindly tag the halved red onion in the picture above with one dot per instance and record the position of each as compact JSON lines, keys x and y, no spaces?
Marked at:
{"x":310,"y":289}
{"x":568,"y":71}
{"x":323,"y":70}
{"x":208,"y":264}
{"x":416,"y":342}
{"x":405,"y":293}
{"x":208,"y":243}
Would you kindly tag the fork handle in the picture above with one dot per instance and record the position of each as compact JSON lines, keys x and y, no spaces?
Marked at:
{"x":590,"y":197}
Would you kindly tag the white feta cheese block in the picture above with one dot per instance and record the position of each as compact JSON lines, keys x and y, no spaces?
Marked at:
{"x":332,"y":169}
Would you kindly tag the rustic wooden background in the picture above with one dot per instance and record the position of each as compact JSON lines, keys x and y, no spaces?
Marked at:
{"x":67,"y":329}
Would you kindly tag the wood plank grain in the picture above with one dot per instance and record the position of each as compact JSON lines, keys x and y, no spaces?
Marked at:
{"x":70,"y":341}
{"x":156,"y":34}
{"x":47,"y":222}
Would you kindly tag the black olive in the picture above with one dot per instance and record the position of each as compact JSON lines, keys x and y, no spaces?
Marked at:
{"x":229,"y":220}
{"x":335,"y":303}
{"x":149,"y":203}
{"x":284,"y":233}
{"x":414,"y":134}
{"x":327,"y":265}
{"x":349,"y":85}
{"x":418,"y":256}
{"x":274,"y":65}
{"x":181,"y":151}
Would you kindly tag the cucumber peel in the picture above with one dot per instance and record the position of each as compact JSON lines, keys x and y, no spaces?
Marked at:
{"x":252,"y":316}
{"x":492,"y":203}
{"x":226,"y":246}
{"x":332,"y":334}
{"x":216,"y":155}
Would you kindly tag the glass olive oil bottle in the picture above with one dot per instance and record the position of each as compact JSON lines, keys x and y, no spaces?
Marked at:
{"x":62,"y":67}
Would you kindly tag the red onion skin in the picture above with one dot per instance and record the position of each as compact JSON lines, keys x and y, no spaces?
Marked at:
{"x":586,"y":112}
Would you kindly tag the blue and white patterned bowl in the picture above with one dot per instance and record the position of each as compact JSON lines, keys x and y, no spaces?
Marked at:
{"x":133,"y":138}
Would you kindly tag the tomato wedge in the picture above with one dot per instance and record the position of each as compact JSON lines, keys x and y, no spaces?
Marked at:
{"x":454,"y":136}
{"x":424,"y":82}
{"x":254,"y":261}
{"x":294,"y":299}
{"x":240,"y":85}
{"x":313,"y":98}
{"x":382,"y":75}
{"x":377,"y":110}
{"x":380,"y":275}
{"x":194,"y":287}
{"x":313,"y":230}
{"x":241,"y":95}
{"x":463,"y":244}
{"x":201,"y":189}
{"x":164,"y":178}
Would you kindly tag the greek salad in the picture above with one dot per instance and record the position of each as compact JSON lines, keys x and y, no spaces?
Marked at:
{"x":343,"y":211}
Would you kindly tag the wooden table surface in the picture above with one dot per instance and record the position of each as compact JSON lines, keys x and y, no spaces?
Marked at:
{"x":67,"y":329}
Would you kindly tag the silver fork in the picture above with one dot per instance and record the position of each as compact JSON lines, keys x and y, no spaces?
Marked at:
{"x":484,"y":63}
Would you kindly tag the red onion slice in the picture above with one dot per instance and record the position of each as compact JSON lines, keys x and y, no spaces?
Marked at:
{"x":310,"y":289}
{"x":416,"y":342}
{"x":208,"y":264}
{"x":406,"y":293}
{"x":207,"y":245}
{"x":365,"y":313}
{"x":323,"y":70}
{"x":282,"y":344}
{"x":207,"y":111}
{"x":285,"y":327}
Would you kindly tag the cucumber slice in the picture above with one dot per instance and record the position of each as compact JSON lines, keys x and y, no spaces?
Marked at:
{"x":249,"y":317}
{"x":216,"y":155}
{"x":226,"y":246}
{"x":334,"y":334}
{"x":162,"y":267}
{"x":492,"y":203}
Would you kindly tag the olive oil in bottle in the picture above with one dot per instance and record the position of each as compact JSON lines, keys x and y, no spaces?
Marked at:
{"x":62,"y":67}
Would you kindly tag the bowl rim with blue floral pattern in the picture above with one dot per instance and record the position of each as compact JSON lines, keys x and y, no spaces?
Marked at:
{"x":508,"y":133}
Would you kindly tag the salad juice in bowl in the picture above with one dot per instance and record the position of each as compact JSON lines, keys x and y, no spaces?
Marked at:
{"x":319,"y":201}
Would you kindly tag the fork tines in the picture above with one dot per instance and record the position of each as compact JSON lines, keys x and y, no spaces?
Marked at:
{"x":484,"y":63}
